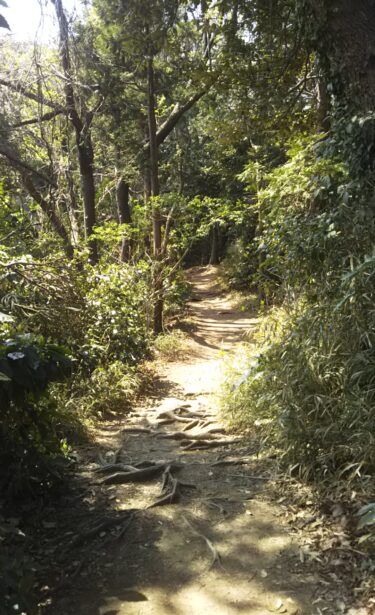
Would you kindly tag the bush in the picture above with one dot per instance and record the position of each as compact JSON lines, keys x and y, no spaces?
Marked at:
{"x":172,"y":346}
{"x":28,"y":428}
{"x":310,"y":389}
{"x":118,"y":311}
{"x":106,"y":391}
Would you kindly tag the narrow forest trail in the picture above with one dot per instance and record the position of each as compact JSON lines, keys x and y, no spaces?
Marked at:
{"x":221,"y":547}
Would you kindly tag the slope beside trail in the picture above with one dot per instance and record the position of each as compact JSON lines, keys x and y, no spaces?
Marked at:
{"x":216,"y":544}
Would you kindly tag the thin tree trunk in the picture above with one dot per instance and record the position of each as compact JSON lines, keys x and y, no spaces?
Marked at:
{"x":214,"y":256}
{"x":49,"y":212}
{"x":82,"y":135}
{"x":72,"y":208}
{"x":324,"y":105}
{"x":124,"y":216}
{"x":155,"y":191}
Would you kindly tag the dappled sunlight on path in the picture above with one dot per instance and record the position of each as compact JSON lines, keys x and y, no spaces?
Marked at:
{"x":219,"y":547}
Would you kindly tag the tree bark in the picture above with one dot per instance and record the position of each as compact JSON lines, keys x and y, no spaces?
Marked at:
{"x":155,"y":191}
{"x":346,"y":31}
{"x":49,"y":212}
{"x":124,"y":216}
{"x":214,"y":256}
{"x":82,"y":135}
{"x":324,"y":105}
{"x":171,"y":122}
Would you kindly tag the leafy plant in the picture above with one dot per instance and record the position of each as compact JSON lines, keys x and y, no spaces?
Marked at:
{"x":28,"y":429}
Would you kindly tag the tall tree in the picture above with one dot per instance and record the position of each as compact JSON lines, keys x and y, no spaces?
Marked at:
{"x":82,"y":129}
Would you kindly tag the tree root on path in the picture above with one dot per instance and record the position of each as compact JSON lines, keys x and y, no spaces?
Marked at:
{"x":170,"y":489}
{"x":191,"y":425}
{"x":91,"y":533}
{"x":181,"y":435}
{"x":215,"y":553}
{"x":210,"y":444}
{"x":169,"y":416}
{"x":135,"y":475}
{"x":115,"y":467}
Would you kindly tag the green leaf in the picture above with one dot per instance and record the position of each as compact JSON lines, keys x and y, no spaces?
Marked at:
{"x":366,"y":509}
{"x":4,"y":377}
{"x":367,"y":514}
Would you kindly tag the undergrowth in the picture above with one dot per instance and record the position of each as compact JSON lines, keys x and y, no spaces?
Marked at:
{"x":172,"y":346}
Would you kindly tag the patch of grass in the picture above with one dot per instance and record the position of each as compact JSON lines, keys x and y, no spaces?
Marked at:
{"x":172,"y":346}
{"x":108,"y":391}
{"x":244,"y":301}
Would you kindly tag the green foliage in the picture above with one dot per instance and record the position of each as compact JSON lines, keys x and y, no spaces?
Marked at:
{"x":28,"y":428}
{"x":109,"y":390}
{"x":117,"y":314}
{"x":241,"y":264}
{"x":172,"y":346}
{"x":42,"y":295}
{"x":311,"y":387}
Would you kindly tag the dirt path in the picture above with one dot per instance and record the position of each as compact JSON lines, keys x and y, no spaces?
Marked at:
{"x":220,"y":549}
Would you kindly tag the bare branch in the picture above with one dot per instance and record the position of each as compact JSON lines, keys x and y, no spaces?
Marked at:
{"x":175,"y":116}
{"x":26,"y":173}
{"x":22,"y":166}
{"x":20,"y":89}
{"x":36,"y":120}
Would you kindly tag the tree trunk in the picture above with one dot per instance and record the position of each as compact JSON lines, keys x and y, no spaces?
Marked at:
{"x":72,"y":208}
{"x":124,"y":216}
{"x":155,"y":190}
{"x":49,"y":212}
{"x":346,"y":32}
{"x":215,"y":240}
{"x":324,"y":106}
{"x":82,"y":134}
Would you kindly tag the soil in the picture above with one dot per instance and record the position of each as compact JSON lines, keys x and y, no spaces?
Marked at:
{"x":221,"y":544}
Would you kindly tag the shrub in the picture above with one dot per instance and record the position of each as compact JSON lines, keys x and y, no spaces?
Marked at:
{"x":311,"y":388}
{"x":116,"y":321}
{"x":106,"y":391}
{"x":172,"y":346}
{"x":28,"y":429}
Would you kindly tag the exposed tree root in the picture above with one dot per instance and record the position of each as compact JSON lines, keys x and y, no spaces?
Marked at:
{"x":134,"y":475}
{"x":169,"y":490}
{"x":191,"y":425}
{"x":91,"y":533}
{"x":215,"y":554}
{"x":137,"y":430}
{"x":181,"y":435}
{"x":170,"y":416}
{"x":209,"y":444}
{"x":115,"y":467}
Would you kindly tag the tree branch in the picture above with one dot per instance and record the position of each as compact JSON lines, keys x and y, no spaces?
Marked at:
{"x":43,"y":118}
{"x":20,"y":89}
{"x":26,"y":173}
{"x":14,"y":159}
{"x":178,"y":111}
